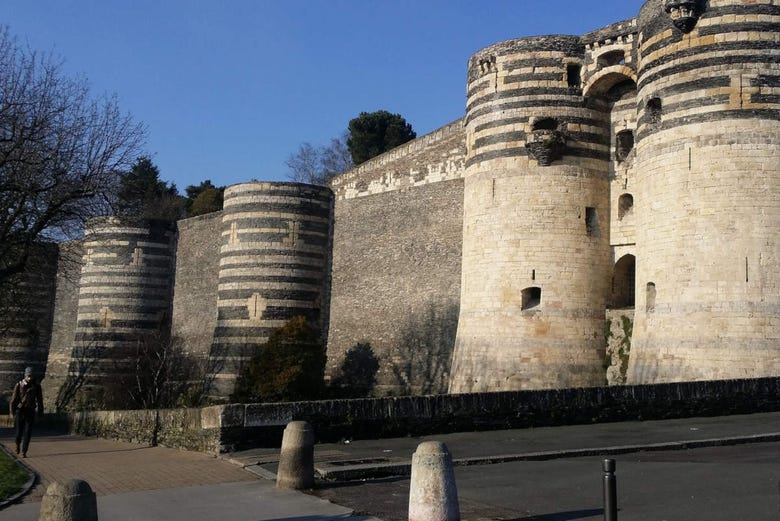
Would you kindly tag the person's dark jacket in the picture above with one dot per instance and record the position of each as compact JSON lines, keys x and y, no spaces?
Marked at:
{"x":27,"y":395}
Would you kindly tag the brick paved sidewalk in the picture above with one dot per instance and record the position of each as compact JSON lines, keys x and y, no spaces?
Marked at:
{"x":112,"y":467}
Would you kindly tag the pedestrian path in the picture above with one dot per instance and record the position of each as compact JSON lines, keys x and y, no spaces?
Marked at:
{"x":136,"y":482}
{"x":112,"y":467}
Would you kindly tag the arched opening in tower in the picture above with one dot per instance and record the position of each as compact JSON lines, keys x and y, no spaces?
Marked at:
{"x":625,"y":205}
{"x":623,"y":282}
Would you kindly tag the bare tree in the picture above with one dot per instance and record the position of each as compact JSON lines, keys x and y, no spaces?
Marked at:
{"x":318,"y":165}
{"x":157,"y":374}
{"x":336,"y":158}
{"x":61,"y":153}
{"x":304,"y":165}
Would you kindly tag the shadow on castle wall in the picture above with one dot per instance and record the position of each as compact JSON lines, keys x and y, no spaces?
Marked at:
{"x":422,"y":362}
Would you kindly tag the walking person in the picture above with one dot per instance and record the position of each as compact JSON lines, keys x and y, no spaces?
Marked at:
{"x":26,"y":399}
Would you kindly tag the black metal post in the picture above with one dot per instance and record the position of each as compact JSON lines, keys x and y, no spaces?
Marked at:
{"x":610,"y":491}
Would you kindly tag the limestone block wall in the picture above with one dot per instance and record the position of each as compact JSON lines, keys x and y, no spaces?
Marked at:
{"x":434,"y":157}
{"x":623,"y":167}
{"x":124,"y":294}
{"x":708,"y":289}
{"x":396,"y":261}
{"x":396,"y":284}
{"x":274,"y":264}
{"x":197,"y":276}
{"x":610,"y":76}
{"x":536,"y":258}
{"x":610,"y":55}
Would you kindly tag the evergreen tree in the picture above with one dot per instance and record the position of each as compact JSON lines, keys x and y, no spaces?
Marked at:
{"x":143,"y":194}
{"x":203,"y":198}
{"x":371,"y":134}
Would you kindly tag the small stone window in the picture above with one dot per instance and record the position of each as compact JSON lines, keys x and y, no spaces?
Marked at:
{"x":653,"y":111}
{"x":574,"y":75}
{"x":625,"y":205}
{"x":612,"y":58}
{"x":650,"y":298}
{"x":624,"y":143}
{"x":532,"y":297}
{"x":546,"y":124}
{"x":592,"y":222}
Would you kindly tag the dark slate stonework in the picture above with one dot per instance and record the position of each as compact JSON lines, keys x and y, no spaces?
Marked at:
{"x":26,"y":326}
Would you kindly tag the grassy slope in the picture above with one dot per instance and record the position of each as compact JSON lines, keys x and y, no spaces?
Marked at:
{"x":12,"y":476}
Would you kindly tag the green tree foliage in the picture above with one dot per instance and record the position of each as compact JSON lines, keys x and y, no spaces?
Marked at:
{"x":206,"y":202}
{"x":318,"y":165}
{"x":203,"y":198}
{"x":357,"y":377}
{"x":143,"y":194}
{"x":61,"y":150}
{"x":289,"y":367}
{"x":371,"y":134}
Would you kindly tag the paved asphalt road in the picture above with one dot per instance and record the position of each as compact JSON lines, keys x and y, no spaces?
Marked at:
{"x":708,"y":484}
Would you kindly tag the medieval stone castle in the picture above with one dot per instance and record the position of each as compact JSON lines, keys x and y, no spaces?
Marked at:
{"x":629,"y":175}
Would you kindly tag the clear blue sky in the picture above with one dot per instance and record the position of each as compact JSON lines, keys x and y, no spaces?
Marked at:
{"x":229,"y":88}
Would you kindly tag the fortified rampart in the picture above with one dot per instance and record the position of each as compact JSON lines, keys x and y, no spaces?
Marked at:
{"x":396,"y":261}
{"x":630,"y":173}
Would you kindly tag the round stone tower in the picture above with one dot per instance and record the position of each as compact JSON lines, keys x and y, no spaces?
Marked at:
{"x":536,"y":257}
{"x":124,"y":295}
{"x":25,"y":324}
{"x":274,"y":265}
{"x":708,"y":186}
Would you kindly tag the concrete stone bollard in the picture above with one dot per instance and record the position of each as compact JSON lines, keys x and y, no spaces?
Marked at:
{"x":70,"y":500}
{"x":433,"y":495}
{"x":296,"y":461}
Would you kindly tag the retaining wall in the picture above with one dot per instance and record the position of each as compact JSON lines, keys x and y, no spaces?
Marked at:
{"x":241,"y":426}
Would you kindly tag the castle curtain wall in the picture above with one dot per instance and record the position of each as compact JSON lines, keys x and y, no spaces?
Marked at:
{"x":66,"y":304}
{"x":197,"y":276}
{"x":396,"y":262}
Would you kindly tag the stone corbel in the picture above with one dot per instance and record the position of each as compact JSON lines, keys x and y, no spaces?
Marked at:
{"x":546,"y":145}
{"x":685,"y":14}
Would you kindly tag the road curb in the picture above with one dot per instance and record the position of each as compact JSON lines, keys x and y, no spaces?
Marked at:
{"x":328,"y":472}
